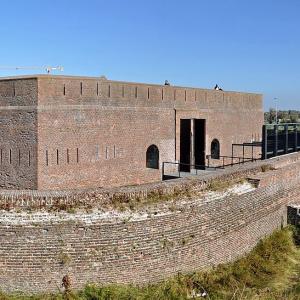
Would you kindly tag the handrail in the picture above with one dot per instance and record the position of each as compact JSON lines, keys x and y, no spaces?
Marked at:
{"x":200,"y":167}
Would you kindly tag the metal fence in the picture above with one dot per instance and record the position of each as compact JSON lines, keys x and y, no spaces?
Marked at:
{"x":280,"y":139}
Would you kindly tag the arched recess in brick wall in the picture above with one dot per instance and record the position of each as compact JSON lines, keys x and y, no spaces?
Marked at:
{"x":152,"y":157}
{"x":215,"y":149}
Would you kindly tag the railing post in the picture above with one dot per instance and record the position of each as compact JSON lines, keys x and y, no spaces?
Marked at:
{"x":295,"y":138}
{"x":264,"y":144}
{"x":286,"y":140}
{"x":276,"y":140}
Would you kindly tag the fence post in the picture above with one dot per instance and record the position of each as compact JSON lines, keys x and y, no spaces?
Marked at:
{"x":286,"y":140}
{"x":296,"y":138}
{"x":276,"y":139}
{"x":264,"y":144}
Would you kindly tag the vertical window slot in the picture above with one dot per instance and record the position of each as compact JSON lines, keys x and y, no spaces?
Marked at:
{"x":97,"y":89}
{"x":136,"y":92}
{"x":64,"y":90}
{"x":68,"y":156}
{"x":148,"y":93}
{"x":81,"y":88}
{"x":29,"y":158}
{"x":10,"y":159}
{"x":57,"y":157}
{"x":109,"y":91}
{"x":19,"y":157}
{"x":77,"y":155}
{"x":47,"y":158}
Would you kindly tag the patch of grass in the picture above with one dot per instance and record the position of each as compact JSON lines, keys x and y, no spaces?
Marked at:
{"x":222,"y":185}
{"x":270,"y":272}
{"x":267,"y":168}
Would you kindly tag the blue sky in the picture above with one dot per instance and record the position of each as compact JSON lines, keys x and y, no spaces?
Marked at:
{"x":244,"y":45}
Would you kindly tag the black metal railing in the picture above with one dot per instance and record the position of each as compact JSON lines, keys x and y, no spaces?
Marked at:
{"x":280,"y":139}
{"x":178,"y":169}
{"x":233,"y":160}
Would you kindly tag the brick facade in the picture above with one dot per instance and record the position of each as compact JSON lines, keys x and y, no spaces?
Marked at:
{"x":64,"y":132}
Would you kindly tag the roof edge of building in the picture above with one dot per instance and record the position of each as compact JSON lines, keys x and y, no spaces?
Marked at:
{"x":47,"y":76}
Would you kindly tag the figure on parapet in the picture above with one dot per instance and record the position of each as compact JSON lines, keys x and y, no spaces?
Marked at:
{"x":167,"y":82}
{"x":217,"y":88}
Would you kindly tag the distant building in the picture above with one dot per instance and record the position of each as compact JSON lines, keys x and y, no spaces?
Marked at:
{"x":64,"y":132}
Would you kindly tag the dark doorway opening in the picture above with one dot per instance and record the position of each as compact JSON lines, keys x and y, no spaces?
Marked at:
{"x":199,"y":140}
{"x":185,"y":145}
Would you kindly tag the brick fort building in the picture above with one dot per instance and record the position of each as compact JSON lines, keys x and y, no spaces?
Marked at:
{"x":67,"y":132}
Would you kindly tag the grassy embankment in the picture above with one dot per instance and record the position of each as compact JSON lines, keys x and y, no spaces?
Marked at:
{"x":270,"y":272}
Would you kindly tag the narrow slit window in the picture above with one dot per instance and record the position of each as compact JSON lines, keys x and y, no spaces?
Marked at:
{"x":109,"y":91}
{"x":64,"y":90}
{"x":136,"y":92}
{"x":68,"y":156}
{"x":148,"y":93}
{"x":115,"y":152}
{"x":81,"y":88}
{"x":29,"y":158}
{"x":47,"y":158}
{"x":1,"y":156}
{"x":77,"y":155}
{"x":57,"y":157}
{"x":185,"y":95}
{"x":174,"y":94}
{"x":123,"y":91}
{"x":10,"y":158}
{"x":97,"y":89}
{"x":162,"y":94}
{"x":19,"y":157}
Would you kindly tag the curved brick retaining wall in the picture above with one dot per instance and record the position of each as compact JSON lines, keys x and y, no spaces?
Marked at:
{"x":36,"y":252}
{"x":36,"y":255}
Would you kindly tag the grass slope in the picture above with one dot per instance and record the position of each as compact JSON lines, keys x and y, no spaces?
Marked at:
{"x":270,"y":272}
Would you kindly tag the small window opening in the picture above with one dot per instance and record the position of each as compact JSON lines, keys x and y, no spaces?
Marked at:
{"x":152,"y":157}
{"x":57,"y":157}
{"x":68,"y":156}
{"x":215,"y":149}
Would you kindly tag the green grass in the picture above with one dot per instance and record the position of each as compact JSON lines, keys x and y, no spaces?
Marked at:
{"x":270,"y":272}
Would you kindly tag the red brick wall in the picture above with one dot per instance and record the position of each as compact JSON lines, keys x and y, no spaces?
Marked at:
{"x":36,"y":255}
{"x":18,"y":134}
